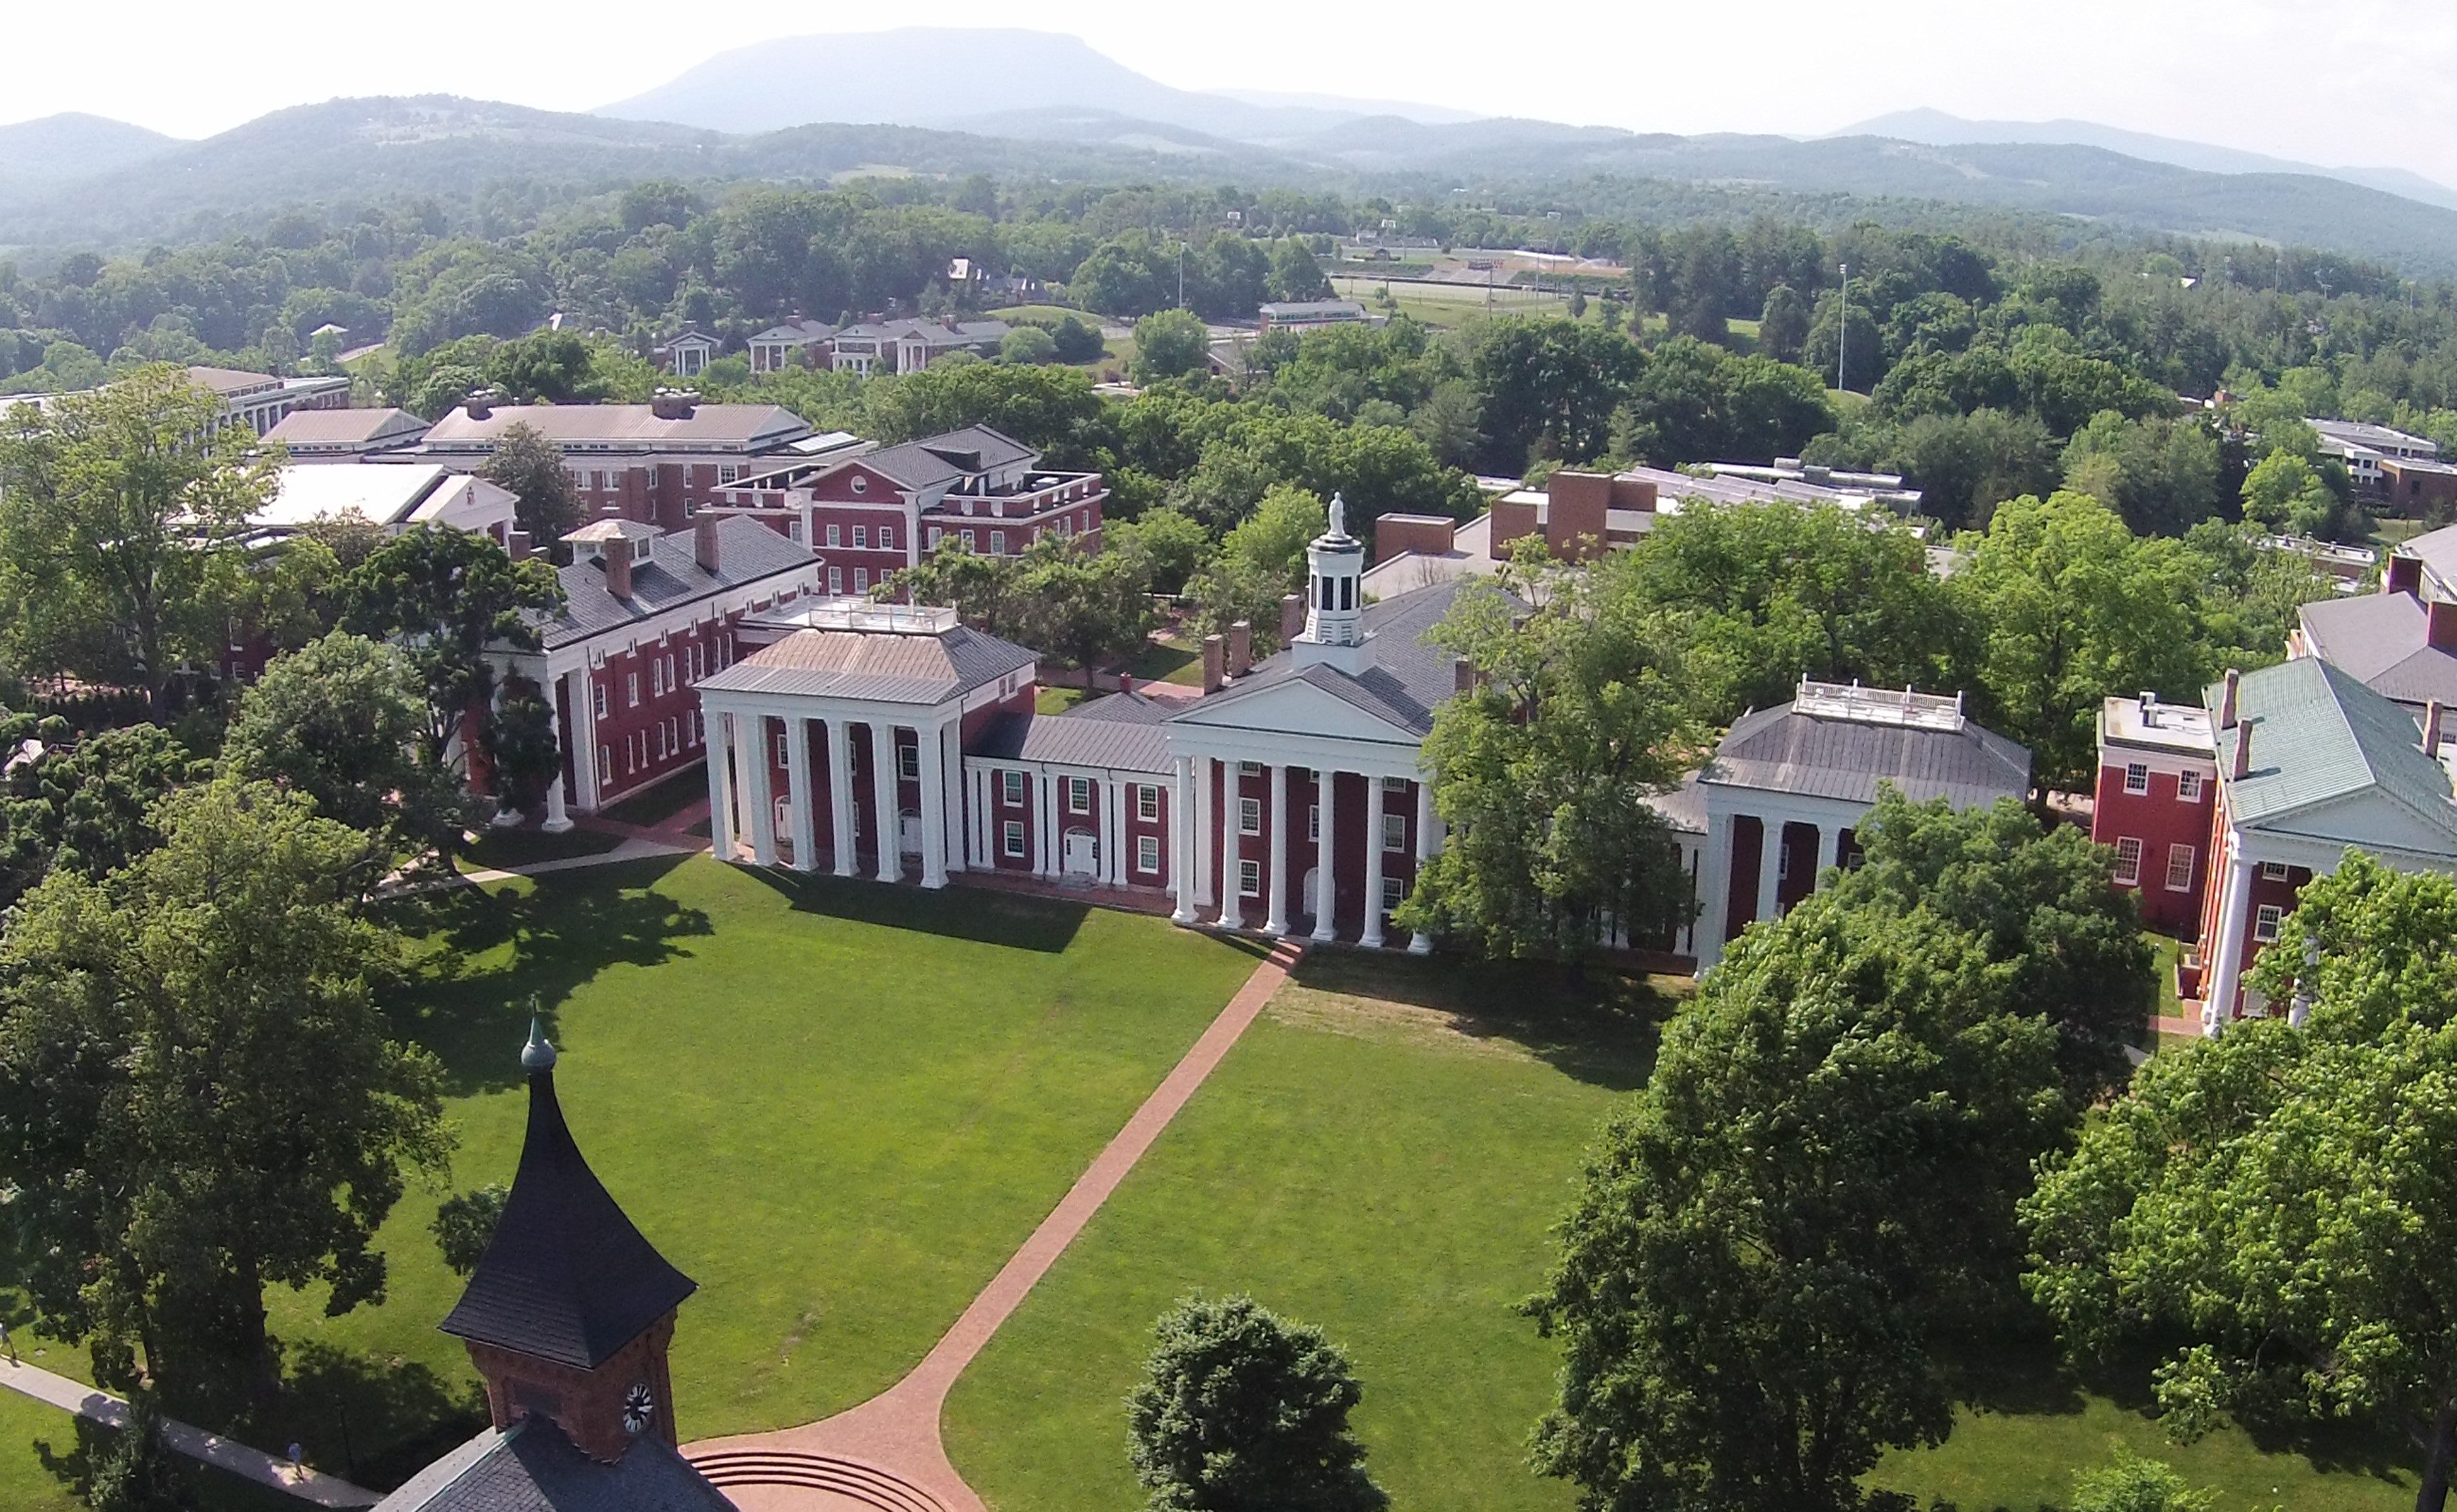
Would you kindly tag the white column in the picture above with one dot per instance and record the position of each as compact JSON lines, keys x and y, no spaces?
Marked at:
{"x":841,"y":794}
{"x":2226,"y":958}
{"x":1714,"y":891}
{"x":1206,"y":837}
{"x":1181,"y":842}
{"x":1046,"y":827}
{"x":951,"y":794}
{"x":1326,"y":885}
{"x":1418,"y":944}
{"x":557,"y":821}
{"x":757,"y":791}
{"x":798,"y":795}
{"x":883,"y":783}
{"x":976,"y":821}
{"x":584,"y":738}
{"x":1829,"y":848}
{"x":1232,"y":909}
{"x":932,"y":752}
{"x":1112,"y":831}
{"x":720,"y":786}
{"x":1276,"y":921}
{"x":1769,"y":867}
{"x":1375,"y":798}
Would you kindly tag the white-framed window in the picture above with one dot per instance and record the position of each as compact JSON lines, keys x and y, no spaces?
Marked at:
{"x":1147,"y":802}
{"x":887,"y":538}
{"x":632,"y":689}
{"x":1249,"y":878}
{"x":656,"y":679}
{"x":861,"y":537}
{"x":690,"y":729}
{"x":597,"y":690}
{"x":1148,"y":853}
{"x":1313,"y":821}
{"x":1395,"y":784}
{"x":1393,"y":892}
{"x":908,"y":761}
{"x":784,"y":748}
{"x":1079,"y":794}
{"x":2272,"y":871}
{"x":1250,"y":815}
{"x":860,"y":484}
{"x":861,"y":580}
{"x":997,"y":543}
{"x":835,"y":533}
{"x":835,"y":582}
{"x":936,"y":536}
{"x":727,"y":472}
{"x":2179,"y":868}
{"x":604,"y":766}
{"x":1249,"y":769}
{"x":662,"y":751}
{"x":1782,"y":856}
{"x":2137,"y":778}
{"x":2265,"y":920}
{"x":2128,"y":861}
{"x":2188,"y":787}
{"x":1011,"y":836}
{"x":597,"y":481}
{"x":1394,"y":832}
{"x":1011,"y":785}
{"x":968,"y":539}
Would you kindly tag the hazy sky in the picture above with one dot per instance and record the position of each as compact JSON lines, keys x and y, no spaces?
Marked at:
{"x":2350,"y":82}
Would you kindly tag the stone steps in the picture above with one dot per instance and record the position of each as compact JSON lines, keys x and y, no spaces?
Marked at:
{"x":863,"y":1484}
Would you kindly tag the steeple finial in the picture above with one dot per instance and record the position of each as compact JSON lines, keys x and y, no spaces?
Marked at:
{"x":538,"y":1055}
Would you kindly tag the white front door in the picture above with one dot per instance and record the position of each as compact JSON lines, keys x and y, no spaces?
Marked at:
{"x":1082,"y":852}
{"x":908,"y":834}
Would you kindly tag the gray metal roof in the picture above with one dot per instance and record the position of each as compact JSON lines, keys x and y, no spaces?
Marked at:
{"x":1120,"y":734}
{"x":1408,"y":677}
{"x":1778,"y":750}
{"x":626,"y":428}
{"x":745,"y":551}
{"x":2318,"y":737}
{"x":936,"y":460}
{"x":2382,"y":638}
{"x":881,"y":667}
{"x":533,"y":1467}
{"x":327,"y":427}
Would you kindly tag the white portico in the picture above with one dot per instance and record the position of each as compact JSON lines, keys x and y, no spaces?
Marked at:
{"x":840,"y":744}
{"x":1789,"y":785}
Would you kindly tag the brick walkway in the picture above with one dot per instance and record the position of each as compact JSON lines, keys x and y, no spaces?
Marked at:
{"x":895,"y":1434}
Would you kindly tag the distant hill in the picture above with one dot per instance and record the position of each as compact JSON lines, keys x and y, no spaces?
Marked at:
{"x":75,"y":145}
{"x":1938,"y":129}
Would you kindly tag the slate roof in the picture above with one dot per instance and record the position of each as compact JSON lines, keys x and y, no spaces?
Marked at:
{"x":626,"y":428}
{"x":883,"y":667}
{"x":338,"y":427}
{"x":802,"y":331}
{"x":2438,"y":549}
{"x":2320,"y":736}
{"x":936,"y":460}
{"x":566,"y":1277}
{"x":1121,"y":733}
{"x":1405,"y":681}
{"x":2383,"y":640}
{"x":746,"y":550}
{"x":532,"y":1467}
{"x":1778,"y":750}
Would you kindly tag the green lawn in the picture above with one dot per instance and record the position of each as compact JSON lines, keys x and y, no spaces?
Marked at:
{"x":1383,"y":1156}
{"x":1057,"y":700}
{"x":837,"y":1107}
{"x":25,"y":1485}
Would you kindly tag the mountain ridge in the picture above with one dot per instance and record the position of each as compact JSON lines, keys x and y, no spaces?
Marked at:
{"x":74,"y":144}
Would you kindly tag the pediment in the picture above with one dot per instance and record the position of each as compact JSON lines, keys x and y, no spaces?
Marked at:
{"x":1293,"y":706}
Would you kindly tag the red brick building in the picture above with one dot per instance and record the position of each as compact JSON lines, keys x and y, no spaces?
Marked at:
{"x":2156,"y":804}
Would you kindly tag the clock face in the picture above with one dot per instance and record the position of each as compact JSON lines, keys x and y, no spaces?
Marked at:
{"x":639,"y":1408}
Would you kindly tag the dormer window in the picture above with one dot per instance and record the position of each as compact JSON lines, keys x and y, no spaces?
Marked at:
{"x":643,"y":548}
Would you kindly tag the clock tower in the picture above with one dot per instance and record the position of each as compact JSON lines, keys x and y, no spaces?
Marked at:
{"x":570,"y":1313}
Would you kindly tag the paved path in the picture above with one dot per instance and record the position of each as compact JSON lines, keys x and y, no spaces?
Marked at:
{"x":898,"y":1431}
{"x":250,"y":1465}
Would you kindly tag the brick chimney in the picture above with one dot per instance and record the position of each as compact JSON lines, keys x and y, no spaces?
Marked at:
{"x":2439,"y":625}
{"x":617,"y":557}
{"x":518,"y":546}
{"x":1241,"y":648}
{"x":2435,"y":716}
{"x":2227,"y":699}
{"x":2243,"y":752}
{"x":2404,"y":574}
{"x":1462,"y":674}
{"x":1215,"y":663}
{"x":1291,"y":617}
{"x":1126,"y":682}
{"x":704,"y":548}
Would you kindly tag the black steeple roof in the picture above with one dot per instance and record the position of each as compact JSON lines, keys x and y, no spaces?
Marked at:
{"x":566,"y":1277}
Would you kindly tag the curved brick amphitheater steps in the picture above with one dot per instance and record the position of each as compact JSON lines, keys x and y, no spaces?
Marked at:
{"x":836,"y":1482}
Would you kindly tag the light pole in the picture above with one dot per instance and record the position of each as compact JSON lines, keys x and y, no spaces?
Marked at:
{"x":1180,"y":275}
{"x":1842,"y":329}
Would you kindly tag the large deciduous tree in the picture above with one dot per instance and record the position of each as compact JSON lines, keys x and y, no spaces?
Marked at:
{"x":1544,"y":769}
{"x":88,"y":808}
{"x":1818,"y":1181}
{"x":1242,"y":1411}
{"x":198,"y":1099}
{"x":1550,"y":388}
{"x":530,"y":465}
{"x":445,"y":597}
{"x":116,"y":508}
{"x":2281,"y":1200}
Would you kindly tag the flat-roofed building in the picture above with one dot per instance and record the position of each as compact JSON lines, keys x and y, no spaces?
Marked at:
{"x":657,"y":463}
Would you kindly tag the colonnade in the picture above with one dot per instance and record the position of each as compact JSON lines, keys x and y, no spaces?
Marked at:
{"x":1715,"y":882}
{"x":1205,"y":849}
{"x":738,"y":762}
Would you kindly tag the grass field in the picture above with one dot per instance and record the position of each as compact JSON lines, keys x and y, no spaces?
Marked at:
{"x":837,"y":1107}
{"x":1383,"y":1155}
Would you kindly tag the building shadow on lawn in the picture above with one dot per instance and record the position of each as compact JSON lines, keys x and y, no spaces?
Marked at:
{"x":981,"y":915}
{"x":372,"y":1422}
{"x":1598,"y":1026}
{"x":563,"y":934}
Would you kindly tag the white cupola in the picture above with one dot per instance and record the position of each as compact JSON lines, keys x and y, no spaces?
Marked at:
{"x":1335,"y":630}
